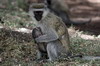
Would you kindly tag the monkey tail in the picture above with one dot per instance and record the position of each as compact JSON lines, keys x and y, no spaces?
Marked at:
{"x":91,"y":57}
{"x":86,"y":57}
{"x":74,"y":56}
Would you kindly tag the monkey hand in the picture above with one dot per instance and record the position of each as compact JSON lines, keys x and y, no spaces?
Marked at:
{"x":40,"y":39}
{"x":46,"y":38}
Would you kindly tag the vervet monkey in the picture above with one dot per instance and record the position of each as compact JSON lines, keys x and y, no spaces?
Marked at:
{"x":60,"y":8}
{"x":55,"y":33}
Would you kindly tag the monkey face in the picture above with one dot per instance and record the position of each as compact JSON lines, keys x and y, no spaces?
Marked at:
{"x":38,"y":15}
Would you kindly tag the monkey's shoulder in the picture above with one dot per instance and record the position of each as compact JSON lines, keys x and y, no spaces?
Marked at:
{"x":54,"y":20}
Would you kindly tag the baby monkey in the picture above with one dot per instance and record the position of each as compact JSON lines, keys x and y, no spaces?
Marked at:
{"x":42,"y":51}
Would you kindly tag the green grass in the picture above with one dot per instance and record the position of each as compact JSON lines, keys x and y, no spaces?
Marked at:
{"x":17,"y":49}
{"x":16,"y":19}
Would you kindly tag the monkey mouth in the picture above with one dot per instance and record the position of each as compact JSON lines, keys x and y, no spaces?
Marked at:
{"x":38,"y":18}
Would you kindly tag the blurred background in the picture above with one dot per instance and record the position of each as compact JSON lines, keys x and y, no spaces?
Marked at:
{"x":79,"y":11}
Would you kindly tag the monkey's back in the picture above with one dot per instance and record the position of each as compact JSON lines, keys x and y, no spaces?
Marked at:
{"x":58,"y":25}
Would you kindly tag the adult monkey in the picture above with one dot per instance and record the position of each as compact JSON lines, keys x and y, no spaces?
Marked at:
{"x":55,"y":33}
{"x":60,"y":8}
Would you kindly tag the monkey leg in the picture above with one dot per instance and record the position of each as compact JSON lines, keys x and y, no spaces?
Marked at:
{"x":52,"y":51}
{"x":56,"y":51}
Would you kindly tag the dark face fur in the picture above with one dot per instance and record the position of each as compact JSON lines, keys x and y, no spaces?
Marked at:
{"x":38,"y":15}
{"x":36,"y":32}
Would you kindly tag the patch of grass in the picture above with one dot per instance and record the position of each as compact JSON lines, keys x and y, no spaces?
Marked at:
{"x":14,"y":52}
{"x":16,"y":19}
{"x":86,"y":47}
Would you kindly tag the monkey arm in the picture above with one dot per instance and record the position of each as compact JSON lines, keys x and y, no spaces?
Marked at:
{"x":61,"y":31}
{"x":51,"y":35}
{"x":60,"y":27}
